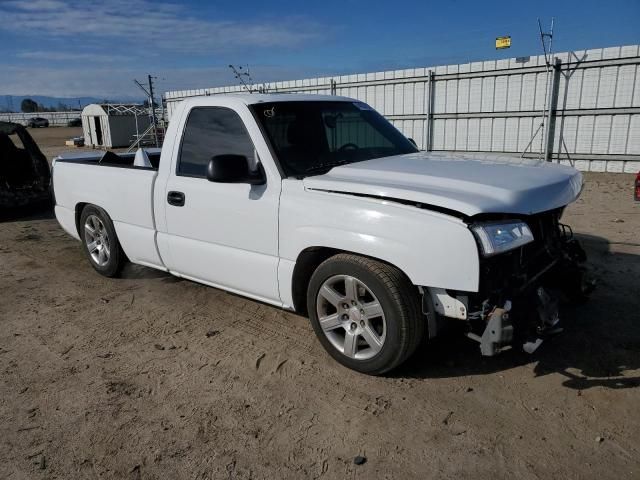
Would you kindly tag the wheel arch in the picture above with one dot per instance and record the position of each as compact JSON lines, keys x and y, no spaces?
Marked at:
{"x":117,"y":256}
{"x":307,"y":262}
{"x":80,"y":206}
{"x":78,"y":213}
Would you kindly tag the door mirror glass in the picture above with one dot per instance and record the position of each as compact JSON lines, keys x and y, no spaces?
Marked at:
{"x":233,"y":169}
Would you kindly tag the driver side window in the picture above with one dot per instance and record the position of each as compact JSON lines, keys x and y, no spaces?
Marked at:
{"x":212,"y":131}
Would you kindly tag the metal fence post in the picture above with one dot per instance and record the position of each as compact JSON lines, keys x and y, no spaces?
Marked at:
{"x":551,"y":111}
{"x":428,"y":123}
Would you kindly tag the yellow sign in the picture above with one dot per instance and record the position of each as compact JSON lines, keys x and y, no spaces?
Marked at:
{"x":503,"y":42}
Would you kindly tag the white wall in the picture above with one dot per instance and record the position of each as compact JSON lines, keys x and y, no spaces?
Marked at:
{"x":496,"y":106}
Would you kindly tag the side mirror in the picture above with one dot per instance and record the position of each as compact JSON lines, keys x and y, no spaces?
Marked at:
{"x":233,"y":169}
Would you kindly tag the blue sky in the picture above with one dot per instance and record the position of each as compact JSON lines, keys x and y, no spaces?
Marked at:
{"x":91,"y":47}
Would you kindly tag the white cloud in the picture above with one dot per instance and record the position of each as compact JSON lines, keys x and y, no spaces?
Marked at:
{"x":118,"y":83}
{"x":36,"y":5}
{"x":97,"y":47}
{"x":58,"y":56}
{"x":149,"y":25}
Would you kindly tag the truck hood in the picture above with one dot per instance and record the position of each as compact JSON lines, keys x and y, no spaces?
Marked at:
{"x":469,"y":185}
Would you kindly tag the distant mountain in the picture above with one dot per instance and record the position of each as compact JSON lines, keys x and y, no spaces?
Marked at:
{"x":12,"y":102}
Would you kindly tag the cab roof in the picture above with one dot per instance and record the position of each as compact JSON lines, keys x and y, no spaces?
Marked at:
{"x":254,"y":98}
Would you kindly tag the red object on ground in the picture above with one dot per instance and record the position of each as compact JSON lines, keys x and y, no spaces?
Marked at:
{"x":637,"y":189}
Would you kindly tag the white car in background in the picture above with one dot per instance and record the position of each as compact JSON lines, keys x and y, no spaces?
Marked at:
{"x":317,"y":204}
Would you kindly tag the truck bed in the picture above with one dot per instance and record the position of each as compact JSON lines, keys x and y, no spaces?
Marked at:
{"x":109,"y":158}
{"x":125,"y":191}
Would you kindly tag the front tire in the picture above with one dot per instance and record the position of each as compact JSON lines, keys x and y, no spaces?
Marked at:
{"x":365,"y":313}
{"x":100,"y":242}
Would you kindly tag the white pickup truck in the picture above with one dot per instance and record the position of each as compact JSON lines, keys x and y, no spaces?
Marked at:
{"x":317,"y":204}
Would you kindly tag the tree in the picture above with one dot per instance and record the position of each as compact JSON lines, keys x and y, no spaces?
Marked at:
{"x":28,"y":106}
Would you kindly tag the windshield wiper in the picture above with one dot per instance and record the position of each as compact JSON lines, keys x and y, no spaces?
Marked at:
{"x":325,"y":166}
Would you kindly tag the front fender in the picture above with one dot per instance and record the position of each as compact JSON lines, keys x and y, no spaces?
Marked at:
{"x":433,"y":249}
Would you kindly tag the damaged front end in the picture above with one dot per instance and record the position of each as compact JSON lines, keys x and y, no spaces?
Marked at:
{"x":25,"y":176}
{"x":521,"y":287}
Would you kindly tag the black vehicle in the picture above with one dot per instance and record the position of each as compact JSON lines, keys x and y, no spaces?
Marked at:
{"x":38,"y":122}
{"x":25,"y":176}
{"x":75,"y":122}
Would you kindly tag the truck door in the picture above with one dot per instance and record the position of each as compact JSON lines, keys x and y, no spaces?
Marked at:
{"x":223,"y":234}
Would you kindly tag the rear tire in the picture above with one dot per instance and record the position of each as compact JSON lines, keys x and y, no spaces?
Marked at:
{"x":365,"y":313}
{"x":100,"y":242}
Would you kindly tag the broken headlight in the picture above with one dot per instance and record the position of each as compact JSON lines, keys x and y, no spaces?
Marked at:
{"x":494,"y":238}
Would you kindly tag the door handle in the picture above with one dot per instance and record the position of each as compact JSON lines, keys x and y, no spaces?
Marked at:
{"x":176,"y":199}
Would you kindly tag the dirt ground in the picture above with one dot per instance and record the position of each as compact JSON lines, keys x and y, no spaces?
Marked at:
{"x":51,"y":140}
{"x":152,"y":377}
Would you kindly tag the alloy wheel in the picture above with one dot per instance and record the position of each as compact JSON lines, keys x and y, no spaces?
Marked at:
{"x":351,"y":317}
{"x":96,"y":239}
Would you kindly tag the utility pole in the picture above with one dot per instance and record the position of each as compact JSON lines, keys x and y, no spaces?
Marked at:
{"x":547,"y":121}
{"x":153,"y":110}
{"x":152,"y":105}
{"x":546,"y":110}
{"x":163,"y":109}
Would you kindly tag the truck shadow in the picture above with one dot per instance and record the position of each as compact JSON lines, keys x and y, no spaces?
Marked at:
{"x":599,"y":347}
{"x":132,"y":271}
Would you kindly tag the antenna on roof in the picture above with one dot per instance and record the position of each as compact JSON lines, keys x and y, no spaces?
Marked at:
{"x":242,"y":75}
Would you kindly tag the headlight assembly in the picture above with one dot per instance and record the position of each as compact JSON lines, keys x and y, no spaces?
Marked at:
{"x":494,"y":238}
